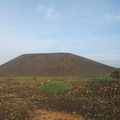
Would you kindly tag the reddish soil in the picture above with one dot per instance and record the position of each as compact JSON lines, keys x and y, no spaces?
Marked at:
{"x":54,"y":64}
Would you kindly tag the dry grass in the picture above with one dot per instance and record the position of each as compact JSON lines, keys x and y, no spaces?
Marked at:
{"x":20,"y":96}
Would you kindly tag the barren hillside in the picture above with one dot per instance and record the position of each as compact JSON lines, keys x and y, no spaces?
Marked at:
{"x":54,"y":64}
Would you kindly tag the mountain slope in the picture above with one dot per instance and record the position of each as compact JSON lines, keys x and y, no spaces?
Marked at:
{"x":54,"y":64}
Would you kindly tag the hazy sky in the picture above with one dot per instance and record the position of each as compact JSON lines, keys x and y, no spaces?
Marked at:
{"x":89,"y":28}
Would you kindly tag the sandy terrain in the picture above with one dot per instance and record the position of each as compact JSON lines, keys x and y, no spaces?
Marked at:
{"x":50,"y":115}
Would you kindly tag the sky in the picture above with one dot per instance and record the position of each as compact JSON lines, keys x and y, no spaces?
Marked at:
{"x":89,"y":28}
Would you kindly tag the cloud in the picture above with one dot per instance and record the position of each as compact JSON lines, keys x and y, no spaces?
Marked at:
{"x":49,"y":12}
{"x":111,"y":17}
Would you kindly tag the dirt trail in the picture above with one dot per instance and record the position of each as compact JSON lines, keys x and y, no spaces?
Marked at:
{"x":50,"y":115}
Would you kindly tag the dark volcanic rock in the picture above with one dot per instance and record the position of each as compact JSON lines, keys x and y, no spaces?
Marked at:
{"x":115,"y":74}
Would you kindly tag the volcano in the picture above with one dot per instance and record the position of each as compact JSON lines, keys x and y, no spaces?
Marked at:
{"x":54,"y":64}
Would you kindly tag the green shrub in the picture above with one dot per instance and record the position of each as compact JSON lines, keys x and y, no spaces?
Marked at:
{"x":54,"y":87}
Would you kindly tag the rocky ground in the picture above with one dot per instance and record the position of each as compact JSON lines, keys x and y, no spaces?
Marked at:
{"x":22,"y":99}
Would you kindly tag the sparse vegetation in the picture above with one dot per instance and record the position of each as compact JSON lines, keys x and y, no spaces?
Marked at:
{"x":97,"y":99}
